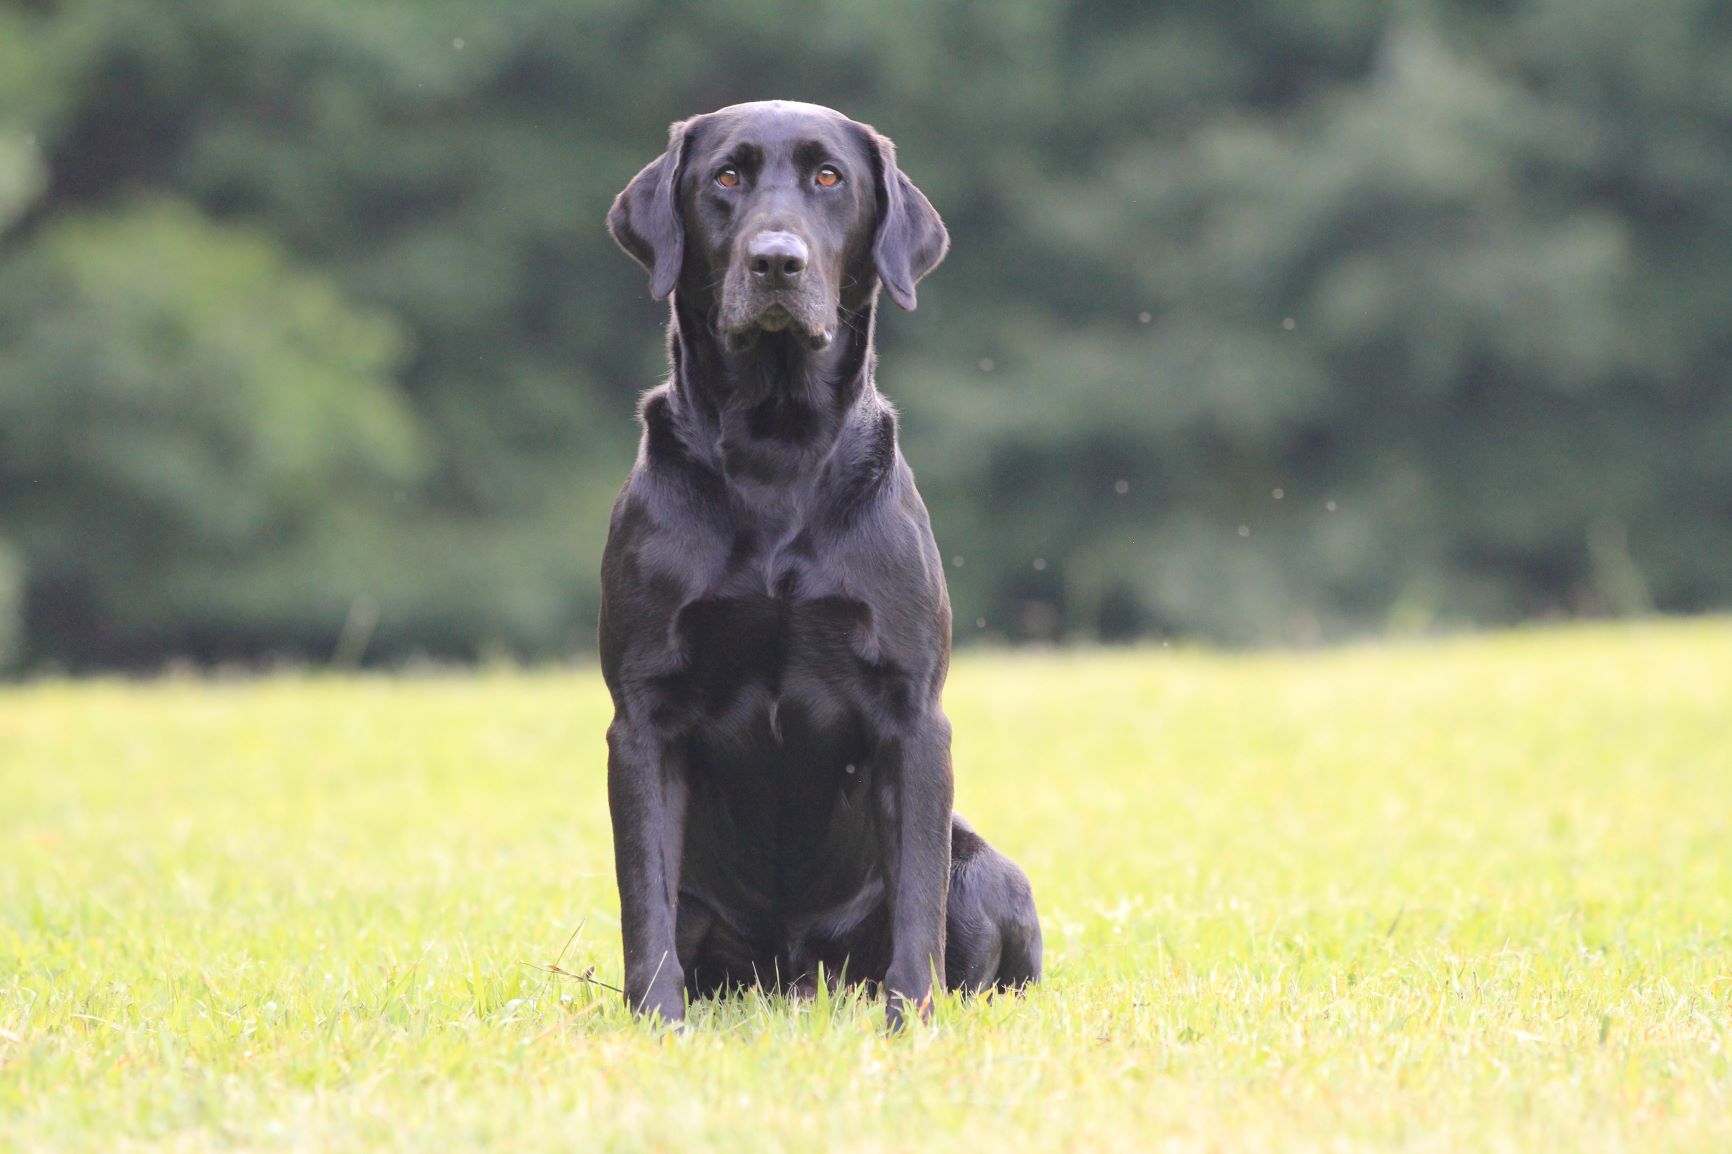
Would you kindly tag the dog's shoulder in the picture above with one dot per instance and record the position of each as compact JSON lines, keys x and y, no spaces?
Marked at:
{"x":868,"y":465}
{"x":663,"y":442}
{"x":671,"y":455}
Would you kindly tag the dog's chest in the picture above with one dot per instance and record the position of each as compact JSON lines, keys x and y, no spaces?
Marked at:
{"x":780,"y":709}
{"x":776,"y":647}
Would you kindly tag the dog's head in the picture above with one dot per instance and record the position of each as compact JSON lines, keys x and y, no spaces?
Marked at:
{"x":775,"y":216}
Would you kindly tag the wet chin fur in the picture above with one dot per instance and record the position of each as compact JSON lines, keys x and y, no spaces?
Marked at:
{"x":743,"y":327}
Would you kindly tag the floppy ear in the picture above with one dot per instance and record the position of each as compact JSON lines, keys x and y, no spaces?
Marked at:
{"x":910,"y":239}
{"x":645,"y":219}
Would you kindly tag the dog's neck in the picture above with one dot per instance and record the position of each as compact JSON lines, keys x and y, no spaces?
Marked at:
{"x":768,"y":410}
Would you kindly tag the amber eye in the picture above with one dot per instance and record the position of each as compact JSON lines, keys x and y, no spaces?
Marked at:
{"x":728,"y":177}
{"x":828,"y":177}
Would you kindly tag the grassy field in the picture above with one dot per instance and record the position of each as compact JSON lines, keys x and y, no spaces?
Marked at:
{"x":1454,"y":895}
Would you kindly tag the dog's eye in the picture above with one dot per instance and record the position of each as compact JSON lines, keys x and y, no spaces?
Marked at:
{"x":828,"y":176}
{"x":728,"y":177}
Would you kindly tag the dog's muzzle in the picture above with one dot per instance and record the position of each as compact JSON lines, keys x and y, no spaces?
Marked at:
{"x":771,"y":286}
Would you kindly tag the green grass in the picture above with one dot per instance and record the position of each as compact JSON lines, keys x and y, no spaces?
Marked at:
{"x":1456,"y":895}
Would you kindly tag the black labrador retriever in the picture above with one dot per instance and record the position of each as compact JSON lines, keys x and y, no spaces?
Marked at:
{"x":775,"y":629}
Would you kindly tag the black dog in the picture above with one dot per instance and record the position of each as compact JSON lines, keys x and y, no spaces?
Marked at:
{"x":775,"y":628}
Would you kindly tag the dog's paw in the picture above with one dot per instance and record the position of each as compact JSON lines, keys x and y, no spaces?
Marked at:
{"x":900,"y":1009}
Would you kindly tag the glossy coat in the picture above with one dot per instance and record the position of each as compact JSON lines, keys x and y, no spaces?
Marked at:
{"x":775,"y":629}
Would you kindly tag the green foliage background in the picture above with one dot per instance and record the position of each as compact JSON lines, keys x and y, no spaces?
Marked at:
{"x":1264,"y":321}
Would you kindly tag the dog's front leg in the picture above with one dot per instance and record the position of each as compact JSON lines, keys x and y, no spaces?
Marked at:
{"x":914,"y":797}
{"x":646,"y":793}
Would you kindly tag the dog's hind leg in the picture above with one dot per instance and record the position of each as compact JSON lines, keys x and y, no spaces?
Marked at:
{"x":992,"y":931}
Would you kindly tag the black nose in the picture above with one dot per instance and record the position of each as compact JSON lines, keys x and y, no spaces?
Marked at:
{"x":776,"y":258}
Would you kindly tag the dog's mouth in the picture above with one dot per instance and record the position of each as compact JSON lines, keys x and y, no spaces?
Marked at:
{"x":775,"y":318}
{"x":744,"y":321}
{"x":815,"y":338}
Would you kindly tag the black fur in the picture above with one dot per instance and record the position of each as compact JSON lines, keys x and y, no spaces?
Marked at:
{"x":775,"y":629}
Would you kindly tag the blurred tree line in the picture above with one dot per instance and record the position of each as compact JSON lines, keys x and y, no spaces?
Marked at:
{"x":1266,"y":320}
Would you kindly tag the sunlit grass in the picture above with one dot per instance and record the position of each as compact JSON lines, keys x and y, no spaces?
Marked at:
{"x":1471,"y":894}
